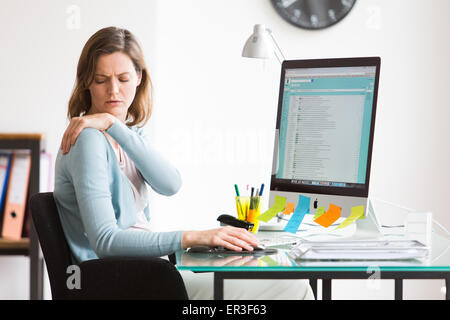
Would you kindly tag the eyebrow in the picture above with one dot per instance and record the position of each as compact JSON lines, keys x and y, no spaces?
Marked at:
{"x":105,"y":75}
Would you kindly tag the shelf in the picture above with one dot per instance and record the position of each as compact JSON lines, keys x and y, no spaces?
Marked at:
{"x":27,"y":247}
{"x":20,"y":136}
{"x":15,"y":247}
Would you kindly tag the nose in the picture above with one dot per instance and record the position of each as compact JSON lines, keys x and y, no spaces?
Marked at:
{"x":114,"y":86}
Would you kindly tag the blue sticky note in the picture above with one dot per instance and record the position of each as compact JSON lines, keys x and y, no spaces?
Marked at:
{"x":298,"y":215}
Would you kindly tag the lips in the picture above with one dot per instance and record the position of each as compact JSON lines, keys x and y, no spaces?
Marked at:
{"x":113,"y":102}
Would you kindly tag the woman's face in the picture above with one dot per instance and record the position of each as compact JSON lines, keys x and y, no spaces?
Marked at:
{"x":114,"y":85}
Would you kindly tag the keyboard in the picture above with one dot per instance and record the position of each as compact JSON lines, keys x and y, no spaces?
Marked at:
{"x":279,"y":240}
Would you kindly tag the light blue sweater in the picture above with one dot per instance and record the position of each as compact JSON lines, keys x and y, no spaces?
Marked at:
{"x":95,"y":200}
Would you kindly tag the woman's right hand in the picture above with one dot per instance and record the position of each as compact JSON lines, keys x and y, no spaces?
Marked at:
{"x":100,"y":121}
{"x":229,"y":237}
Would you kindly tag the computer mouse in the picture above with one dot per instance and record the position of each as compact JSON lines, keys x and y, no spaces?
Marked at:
{"x":200,"y":249}
{"x":222,"y":250}
{"x":256,"y":250}
{"x":259,"y":248}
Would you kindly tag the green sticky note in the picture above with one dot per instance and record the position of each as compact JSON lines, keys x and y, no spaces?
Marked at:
{"x":269,"y":261}
{"x":319,"y":212}
{"x":357,"y":212}
{"x":278,"y":206}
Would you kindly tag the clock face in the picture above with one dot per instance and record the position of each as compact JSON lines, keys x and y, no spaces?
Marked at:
{"x":313,"y":14}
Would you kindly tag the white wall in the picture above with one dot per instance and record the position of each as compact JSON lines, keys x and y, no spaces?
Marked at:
{"x":214,"y":111}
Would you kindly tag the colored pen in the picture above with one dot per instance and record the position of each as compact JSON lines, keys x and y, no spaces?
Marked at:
{"x":237,"y":190}
{"x":240,"y":211}
{"x":261,"y":191}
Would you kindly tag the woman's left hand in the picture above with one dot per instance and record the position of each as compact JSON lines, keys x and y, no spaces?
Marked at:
{"x":100,"y":121}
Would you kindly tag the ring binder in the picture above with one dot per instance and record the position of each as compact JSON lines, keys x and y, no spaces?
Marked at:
{"x":16,"y":197}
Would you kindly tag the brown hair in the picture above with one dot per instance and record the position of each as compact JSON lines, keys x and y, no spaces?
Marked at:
{"x":107,"y":41}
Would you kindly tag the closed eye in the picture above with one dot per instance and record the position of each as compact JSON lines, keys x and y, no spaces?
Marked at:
{"x":100,"y":81}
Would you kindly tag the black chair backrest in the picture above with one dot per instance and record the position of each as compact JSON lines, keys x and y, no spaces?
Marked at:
{"x":54,"y":246}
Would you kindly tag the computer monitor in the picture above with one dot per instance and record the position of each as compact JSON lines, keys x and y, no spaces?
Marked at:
{"x":324,"y":131}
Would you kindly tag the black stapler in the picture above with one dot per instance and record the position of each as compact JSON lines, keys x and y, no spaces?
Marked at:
{"x":232,"y":221}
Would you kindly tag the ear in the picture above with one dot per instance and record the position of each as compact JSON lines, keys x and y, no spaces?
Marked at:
{"x":139,"y":78}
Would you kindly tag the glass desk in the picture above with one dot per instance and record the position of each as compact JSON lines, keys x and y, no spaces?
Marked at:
{"x":436,"y":265}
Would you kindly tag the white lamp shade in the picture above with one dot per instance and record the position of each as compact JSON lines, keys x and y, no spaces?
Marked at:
{"x":259,"y":44}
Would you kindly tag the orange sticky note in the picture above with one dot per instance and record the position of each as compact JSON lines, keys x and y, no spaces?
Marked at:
{"x":327,"y":219}
{"x":289,"y":208}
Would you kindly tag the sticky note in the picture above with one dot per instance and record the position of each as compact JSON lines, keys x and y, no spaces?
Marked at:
{"x":279,"y":205}
{"x":289,"y":208}
{"x":357,"y":212}
{"x":269,"y":261}
{"x":299,"y":213}
{"x":319,"y":212}
{"x":327,"y":218}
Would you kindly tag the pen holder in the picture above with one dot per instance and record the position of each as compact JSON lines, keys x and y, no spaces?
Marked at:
{"x":248,"y":208}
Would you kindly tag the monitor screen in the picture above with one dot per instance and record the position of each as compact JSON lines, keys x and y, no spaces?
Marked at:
{"x":325,"y":126}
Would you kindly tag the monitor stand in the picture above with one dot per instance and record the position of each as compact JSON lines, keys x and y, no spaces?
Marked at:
{"x":368,"y":227}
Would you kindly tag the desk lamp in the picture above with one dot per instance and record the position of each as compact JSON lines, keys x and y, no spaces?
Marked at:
{"x":262,"y":44}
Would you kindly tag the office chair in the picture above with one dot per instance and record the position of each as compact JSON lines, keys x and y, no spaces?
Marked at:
{"x":109,"y":278}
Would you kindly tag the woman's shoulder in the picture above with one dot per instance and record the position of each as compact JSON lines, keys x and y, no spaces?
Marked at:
{"x":90,"y":132}
{"x":89,"y":141}
{"x":88,"y":152}
{"x":90,"y":136}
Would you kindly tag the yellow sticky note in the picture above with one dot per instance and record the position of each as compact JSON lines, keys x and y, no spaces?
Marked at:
{"x":289,"y":208}
{"x":279,"y":205}
{"x":319,"y":212}
{"x":327,"y":219}
{"x":357,"y":212}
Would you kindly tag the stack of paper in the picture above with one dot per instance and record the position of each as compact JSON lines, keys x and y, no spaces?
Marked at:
{"x":359,"y":250}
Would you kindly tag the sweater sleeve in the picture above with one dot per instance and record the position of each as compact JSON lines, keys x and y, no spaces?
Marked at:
{"x":87,"y":166}
{"x":156,"y":170}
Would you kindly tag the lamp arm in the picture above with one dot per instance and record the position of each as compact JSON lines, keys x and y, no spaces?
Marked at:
{"x":277,"y":46}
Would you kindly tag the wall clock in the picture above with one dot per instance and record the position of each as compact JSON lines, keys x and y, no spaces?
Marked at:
{"x":313,"y":14}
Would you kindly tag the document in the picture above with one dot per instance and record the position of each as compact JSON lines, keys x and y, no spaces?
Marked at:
{"x":360,"y":250}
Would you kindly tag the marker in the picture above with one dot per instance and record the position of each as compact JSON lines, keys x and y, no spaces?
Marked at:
{"x":237,"y":190}
{"x":261,"y":191}
{"x":238,"y":201}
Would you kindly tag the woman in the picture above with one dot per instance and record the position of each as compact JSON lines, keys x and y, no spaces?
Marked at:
{"x":105,"y":161}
